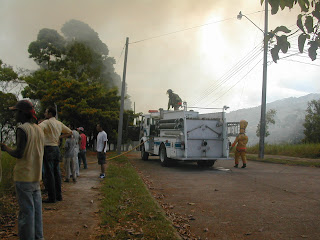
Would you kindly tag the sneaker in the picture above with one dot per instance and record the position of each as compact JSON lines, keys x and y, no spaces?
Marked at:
{"x":67,"y":180}
{"x":244,"y":166}
{"x":236,"y":166}
{"x":102,"y":175}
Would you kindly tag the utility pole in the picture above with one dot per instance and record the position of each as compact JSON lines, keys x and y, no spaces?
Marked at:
{"x":122,"y":99}
{"x":264,"y":85}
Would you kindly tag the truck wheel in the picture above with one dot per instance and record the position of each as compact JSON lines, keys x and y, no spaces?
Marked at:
{"x":163,"y":156}
{"x":206,"y":163}
{"x":144,"y":154}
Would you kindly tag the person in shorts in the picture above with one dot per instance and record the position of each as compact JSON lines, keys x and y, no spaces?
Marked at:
{"x":102,"y":140}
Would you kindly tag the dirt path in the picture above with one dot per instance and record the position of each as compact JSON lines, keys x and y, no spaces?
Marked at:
{"x":76,"y":217}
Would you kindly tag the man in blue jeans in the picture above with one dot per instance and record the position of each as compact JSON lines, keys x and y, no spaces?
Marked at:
{"x":27,"y":171}
{"x":52,"y":129}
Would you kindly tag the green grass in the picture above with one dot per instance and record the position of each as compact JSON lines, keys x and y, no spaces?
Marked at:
{"x":7,"y":184}
{"x":128,"y":209}
{"x":7,"y":205}
{"x":297,"y":150}
{"x":295,"y":162}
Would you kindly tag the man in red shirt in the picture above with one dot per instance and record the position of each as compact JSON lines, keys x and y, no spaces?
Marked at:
{"x":83,"y":148}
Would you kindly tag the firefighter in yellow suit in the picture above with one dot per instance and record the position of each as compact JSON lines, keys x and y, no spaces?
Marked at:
{"x":241,"y":141}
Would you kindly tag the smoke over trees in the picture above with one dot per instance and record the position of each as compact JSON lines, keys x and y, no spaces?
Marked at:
{"x":77,"y":75}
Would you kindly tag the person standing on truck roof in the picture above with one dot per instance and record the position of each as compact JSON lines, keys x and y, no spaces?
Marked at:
{"x":241,"y":141}
{"x":174,"y":100}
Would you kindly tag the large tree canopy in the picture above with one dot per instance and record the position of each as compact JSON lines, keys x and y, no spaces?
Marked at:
{"x":7,"y":121}
{"x":75,"y":30}
{"x":54,"y":52}
{"x":6,"y":73}
{"x":77,"y":75}
{"x":48,"y":50}
{"x":7,"y":99}
{"x":307,"y":21}
{"x":79,"y":102}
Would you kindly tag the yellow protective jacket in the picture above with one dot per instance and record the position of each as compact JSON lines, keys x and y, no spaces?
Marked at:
{"x":242,"y":141}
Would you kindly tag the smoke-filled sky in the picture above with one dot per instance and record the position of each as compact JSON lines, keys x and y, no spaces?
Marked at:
{"x":215,"y":61}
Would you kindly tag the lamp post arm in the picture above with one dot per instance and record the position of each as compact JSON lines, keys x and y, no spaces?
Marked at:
{"x":253,"y":23}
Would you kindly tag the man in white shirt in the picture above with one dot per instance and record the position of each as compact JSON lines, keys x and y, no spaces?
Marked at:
{"x":102,"y":140}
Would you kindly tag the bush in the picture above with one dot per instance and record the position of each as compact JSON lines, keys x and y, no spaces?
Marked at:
{"x":7,"y":184}
{"x":7,"y":205}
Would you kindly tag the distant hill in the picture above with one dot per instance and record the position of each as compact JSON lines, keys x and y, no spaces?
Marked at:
{"x":289,"y":119}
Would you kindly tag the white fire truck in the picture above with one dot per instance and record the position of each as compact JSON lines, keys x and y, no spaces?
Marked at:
{"x":186,"y":135}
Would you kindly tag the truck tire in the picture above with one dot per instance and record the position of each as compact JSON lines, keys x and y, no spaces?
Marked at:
{"x":144,"y":154}
{"x":163,"y":156}
{"x":206,"y":163}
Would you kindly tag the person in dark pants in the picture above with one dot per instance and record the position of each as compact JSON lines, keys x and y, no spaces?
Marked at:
{"x":53,"y":129}
{"x":83,"y":148}
{"x":27,"y":171}
{"x":174,"y":100}
{"x":102,"y":140}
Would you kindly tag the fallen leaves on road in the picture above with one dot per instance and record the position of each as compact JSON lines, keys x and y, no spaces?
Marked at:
{"x":9,"y":207}
{"x":181,"y":223}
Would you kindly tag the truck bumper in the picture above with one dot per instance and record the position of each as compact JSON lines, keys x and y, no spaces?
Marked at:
{"x":204,"y":159}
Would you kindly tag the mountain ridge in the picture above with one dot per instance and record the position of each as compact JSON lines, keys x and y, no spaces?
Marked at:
{"x":288,"y":127}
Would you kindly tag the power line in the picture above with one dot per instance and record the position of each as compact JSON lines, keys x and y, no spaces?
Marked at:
{"x":235,"y":68}
{"x":291,"y":60}
{"x":186,"y":29}
{"x":121,"y":53}
{"x":236,"y":82}
{"x":218,"y":84}
{"x":229,"y":74}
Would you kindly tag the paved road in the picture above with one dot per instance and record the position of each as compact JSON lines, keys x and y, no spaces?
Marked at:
{"x":263,"y":201}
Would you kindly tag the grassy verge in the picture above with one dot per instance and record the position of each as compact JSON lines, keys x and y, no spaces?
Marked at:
{"x":292,"y":162}
{"x":8,"y":205}
{"x":128,"y":209}
{"x":310,"y":150}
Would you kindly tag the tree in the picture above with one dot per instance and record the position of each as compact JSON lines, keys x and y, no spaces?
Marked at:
{"x":7,"y":121}
{"x":48,"y":50}
{"x":77,"y":75}
{"x":7,"y":99}
{"x":6,"y":73}
{"x":79,"y":102}
{"x":82,"y":61}
{"x":269,"y":120}
{"x":75,"y":30}
{"x":312,"y":122}
{"x":307,"y":21}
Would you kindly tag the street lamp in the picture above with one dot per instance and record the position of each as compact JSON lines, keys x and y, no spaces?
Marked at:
{"x":264,"y":78}
{"x":240,"y":15}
